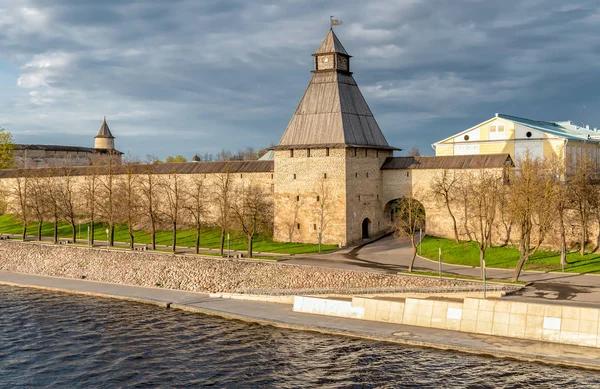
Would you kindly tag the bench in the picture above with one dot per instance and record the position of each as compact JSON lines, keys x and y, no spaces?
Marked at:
{"x":64,"y":241}
{"x":142,"y":247}
{"x":4,"y":237}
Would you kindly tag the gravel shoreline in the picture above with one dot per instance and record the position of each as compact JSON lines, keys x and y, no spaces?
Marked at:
{"x":198,"y":274}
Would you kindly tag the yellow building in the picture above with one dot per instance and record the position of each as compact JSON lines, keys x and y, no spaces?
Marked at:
{"x":515,"y":136}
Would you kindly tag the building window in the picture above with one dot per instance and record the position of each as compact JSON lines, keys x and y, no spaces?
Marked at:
{"x":324,"y":175}
{"x":294,"y":176}
{"x":291,"y":153}
{"x":315,"y":226}
{"x":271,"y":176}
{"x":367,"y":174}
{"x":407,"y":174}
{"x":297,"y":198}
{"x":358,"y":197}
{"x":355,"y":151}
{"x":496,"y":131}
{"x":241,"y":176}
{"x":327,"y":152}
{"x":308,"y":152}
{"x":318,"y":198}
{"x":298,"y":225}
{"x":355,"y":175}
{"x":366,"y":152}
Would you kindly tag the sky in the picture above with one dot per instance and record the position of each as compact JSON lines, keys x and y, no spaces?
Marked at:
{"x":197,"y":76}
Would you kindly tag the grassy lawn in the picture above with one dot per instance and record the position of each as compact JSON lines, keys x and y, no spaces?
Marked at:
{"x":209,"y":237}
{"x":467,"y":253}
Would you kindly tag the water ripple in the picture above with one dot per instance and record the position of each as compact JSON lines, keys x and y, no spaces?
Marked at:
{"x":56,"y":340}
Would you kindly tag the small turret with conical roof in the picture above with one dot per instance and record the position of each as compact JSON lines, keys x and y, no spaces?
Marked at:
{"x":105,"y":139}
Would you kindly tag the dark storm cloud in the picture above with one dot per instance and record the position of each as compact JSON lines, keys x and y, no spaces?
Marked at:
{"x":180,"y":77}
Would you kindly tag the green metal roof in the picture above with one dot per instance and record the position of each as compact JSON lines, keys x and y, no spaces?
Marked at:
{"x":563,"y":129}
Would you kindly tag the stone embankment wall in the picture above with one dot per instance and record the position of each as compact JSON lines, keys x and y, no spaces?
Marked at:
{"x":201,"y":274}
{"x":542,"y":322}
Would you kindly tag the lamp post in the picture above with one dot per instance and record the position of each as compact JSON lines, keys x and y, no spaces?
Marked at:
{"x":484,"y":281}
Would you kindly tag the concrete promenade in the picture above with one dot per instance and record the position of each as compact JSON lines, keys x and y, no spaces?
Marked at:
{"x":281,"y":315}
{"x":388,"y":255}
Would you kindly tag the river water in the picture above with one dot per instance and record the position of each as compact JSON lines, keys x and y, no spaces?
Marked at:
{"x":52,"y":339}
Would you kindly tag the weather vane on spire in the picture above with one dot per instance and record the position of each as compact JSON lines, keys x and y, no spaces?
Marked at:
{"x":334,"y":22}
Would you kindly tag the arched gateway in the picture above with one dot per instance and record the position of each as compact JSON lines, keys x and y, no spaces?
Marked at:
{"x":366,"y":224}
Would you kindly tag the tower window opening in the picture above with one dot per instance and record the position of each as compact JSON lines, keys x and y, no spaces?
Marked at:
{"x":298,"y":225}
{"x":315,"y":226}
{"x":308,"y":152}
{"x":297,"y":198}
{"x":291,"y":153}
{"x":355,"y":175}
{"x":271,"y":176}
{"x":327,"y":152}
{"x":358,"y":197}
{"x":241,"y":176}
{"x":366,"y":152}
{"x":318,"y":198}
{"x":367,"y":174}
{"x":377,"y":153}
{"x":407,"y":174}
{"x":355,"y":151}
{"x":324,"y":175}
{"x":294,"y":176}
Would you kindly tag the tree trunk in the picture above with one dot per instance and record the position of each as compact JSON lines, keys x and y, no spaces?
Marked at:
{"x":222,"y":245}
{"x":112,"y":235}
{"x":250,"y":239}
{"x":583,"y":233}
{"x":517,"y":273}
{"x":74,"y":232}
{"x":507,"y":237}
{"x":92,"y":231}
{"x":197,"y":244}
{"x":453,"y":222}
{"x":563,"y":242}
{"x":466,"y":225}
{"x":24,"y":235}
{"x":174,"y":237}
{"x":414,"y":247}
{"x":55,"y":231}
{"x":39,"y":230}
{"x":152,"y":234}
{"x":131,"y":239}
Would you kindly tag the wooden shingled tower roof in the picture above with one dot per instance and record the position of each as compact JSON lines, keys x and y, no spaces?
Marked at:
{"x":333,"y":111}
{"x":104,"y":131}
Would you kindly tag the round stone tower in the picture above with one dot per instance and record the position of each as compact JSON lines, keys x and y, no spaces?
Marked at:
{"x":104,"y":140}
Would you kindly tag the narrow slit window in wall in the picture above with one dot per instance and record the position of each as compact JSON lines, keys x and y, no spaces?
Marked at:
{"x":308,"y":152}
{"x":327,"y":152}
{"x":298,"y":225}
{"x":297,"y":198}
{"x":294,"y":176}
{"x":318,"y":198}
{"x":292,"y":153}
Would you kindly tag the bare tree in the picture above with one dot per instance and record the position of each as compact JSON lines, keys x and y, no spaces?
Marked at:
{"x":149,"y":188}
{"x":463,"y":196}
{"x":484,"y":191}
{"x":20,"y":193}
{"x":444,"y":187}
{"x":172,"y":190}
{"x":531,"y":195}
{"x":90,"y":191}
{"x":128,"y":198}
{"x":410,"y":217}
{"x":38,"y":201}
{"x":54,"y":204}
{"x":583,"y":197}
{"x":506,"y":219}
{"x":414,"y":152}
{"x":68,"y":199}
{"x":252,"y":211}
{"x":107,"y":201}
{"x":222,"y":198}
{"x":195,"y":204}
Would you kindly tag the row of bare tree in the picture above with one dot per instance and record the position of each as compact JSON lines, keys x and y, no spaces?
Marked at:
{"x":522,"y":205}
{"x":136,"y":196}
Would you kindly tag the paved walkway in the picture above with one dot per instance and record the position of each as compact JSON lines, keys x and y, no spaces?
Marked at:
{"x":388,"y":255}
{"x":281,"y":315}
